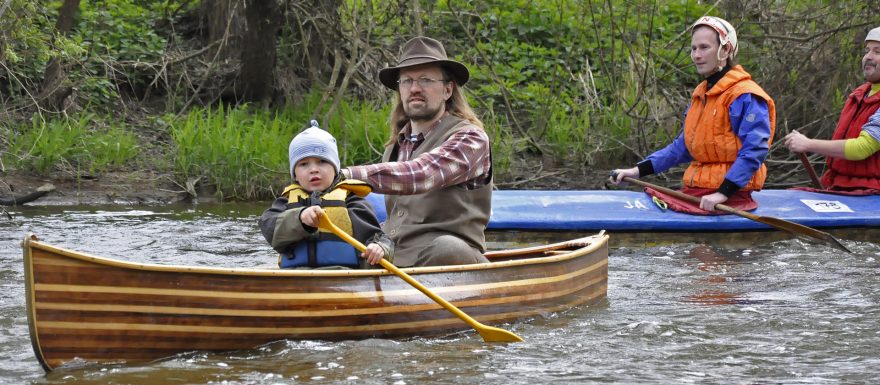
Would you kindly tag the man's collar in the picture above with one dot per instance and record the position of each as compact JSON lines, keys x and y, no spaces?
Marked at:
{"x":406,"y":131}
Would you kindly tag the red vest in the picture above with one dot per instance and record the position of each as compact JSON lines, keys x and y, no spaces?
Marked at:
{"x":708,"y":136}
{"x":842,"y":174}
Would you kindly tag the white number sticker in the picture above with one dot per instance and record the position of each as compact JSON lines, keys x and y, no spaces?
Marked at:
{"x":827,"y":206}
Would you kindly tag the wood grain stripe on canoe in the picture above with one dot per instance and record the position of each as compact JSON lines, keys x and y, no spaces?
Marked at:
{"x":51,"y":327}
{"x":104,"y":351}
{"x":313,"y":313}
{"x":449,"y":290}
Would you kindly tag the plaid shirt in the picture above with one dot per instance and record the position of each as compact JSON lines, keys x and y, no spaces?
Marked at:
{"x":462,"y":159}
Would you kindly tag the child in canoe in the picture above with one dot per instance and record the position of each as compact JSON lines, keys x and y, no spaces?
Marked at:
{"x":290,"y":225}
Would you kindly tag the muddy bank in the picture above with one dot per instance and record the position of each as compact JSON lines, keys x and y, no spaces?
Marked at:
{"x":133,"y":188}
{"x":151,"y":188}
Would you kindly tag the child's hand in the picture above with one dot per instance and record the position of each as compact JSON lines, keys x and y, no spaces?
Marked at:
{"x":309,"y":215}
{"x":373,"y":254}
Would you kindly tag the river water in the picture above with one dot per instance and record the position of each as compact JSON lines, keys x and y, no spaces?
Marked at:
{"x":783,"y":312}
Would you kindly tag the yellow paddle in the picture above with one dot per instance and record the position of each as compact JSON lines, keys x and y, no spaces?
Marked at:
{"x":791,"y":227}
{"x":489,"y":333}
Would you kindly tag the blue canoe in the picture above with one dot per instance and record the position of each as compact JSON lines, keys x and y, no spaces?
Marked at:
{"x":630,"y":211}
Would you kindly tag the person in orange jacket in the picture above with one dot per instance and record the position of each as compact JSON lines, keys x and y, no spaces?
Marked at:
{"x":728,"y":128}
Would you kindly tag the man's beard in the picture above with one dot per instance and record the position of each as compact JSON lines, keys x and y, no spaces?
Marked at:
{"x":424,"y":114}
{"x":873,"y":76}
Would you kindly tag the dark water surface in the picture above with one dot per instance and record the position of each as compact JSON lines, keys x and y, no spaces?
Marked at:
{"x":784,"y":312}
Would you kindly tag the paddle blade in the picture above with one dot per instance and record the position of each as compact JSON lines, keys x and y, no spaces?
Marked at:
{"x":493,"y":334}
{"x":798,"y":229}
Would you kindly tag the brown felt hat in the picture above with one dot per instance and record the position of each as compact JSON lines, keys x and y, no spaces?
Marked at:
{"x":423,"y":50}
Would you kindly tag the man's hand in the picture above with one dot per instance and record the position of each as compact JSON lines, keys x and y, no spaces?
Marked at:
{"x":373,"y":254}
{"x":797,"y":142}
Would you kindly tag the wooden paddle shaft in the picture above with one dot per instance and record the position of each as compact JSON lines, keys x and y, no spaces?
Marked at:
{"x":810,"y":170}
{"x":794,"y":228}
{"x":690,"y":198}
{"x":323,"y":221}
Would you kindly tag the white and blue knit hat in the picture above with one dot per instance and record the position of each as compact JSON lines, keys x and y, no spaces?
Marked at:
{"x":313,"y":141}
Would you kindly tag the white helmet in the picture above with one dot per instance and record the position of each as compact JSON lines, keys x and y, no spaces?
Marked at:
{"x":726,"y":33}
{"x":873,"y":35}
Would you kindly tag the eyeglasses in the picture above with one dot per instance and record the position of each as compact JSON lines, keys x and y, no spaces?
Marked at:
{"x":423,"y":82}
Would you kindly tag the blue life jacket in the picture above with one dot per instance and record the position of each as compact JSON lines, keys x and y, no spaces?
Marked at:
{"x":324,"y":248}
{"x":316,"y":253}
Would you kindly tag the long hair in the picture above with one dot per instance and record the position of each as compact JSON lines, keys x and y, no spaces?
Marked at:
{"x":457,"y":105}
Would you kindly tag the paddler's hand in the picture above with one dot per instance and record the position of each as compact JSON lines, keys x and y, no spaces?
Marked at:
{"x":708,"y":202}
{"x":309,"y":215}
{"x":617,"y":175}
{"x":797,"y":142}
{"x":373,"y":254}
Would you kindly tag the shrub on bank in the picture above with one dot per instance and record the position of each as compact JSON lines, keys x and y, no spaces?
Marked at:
{"x":81,"y":146}
{"x":241,"y":152}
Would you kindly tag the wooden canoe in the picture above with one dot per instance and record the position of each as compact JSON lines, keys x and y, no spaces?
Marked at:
{"x":109,"y":311}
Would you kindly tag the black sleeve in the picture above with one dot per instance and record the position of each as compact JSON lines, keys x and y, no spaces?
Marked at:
{"x":728,"y":188}
{"x":645,"y":168}
{"x":270,"y":216}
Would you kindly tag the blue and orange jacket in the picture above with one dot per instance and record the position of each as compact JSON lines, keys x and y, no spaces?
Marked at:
{"x":726,"y":136}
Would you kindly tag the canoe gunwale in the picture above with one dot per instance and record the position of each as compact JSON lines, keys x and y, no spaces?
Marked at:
{"x":585,"y":245}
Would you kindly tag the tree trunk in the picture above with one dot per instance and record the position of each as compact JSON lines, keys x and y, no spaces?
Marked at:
{"x":53,"y":91}
{"x":257,"y":76}
{"x":224,"y":24}
{"x":223,"y":21}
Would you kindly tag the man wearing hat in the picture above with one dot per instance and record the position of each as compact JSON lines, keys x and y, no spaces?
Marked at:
{"x":852,"y":163}
{"x":727,"y":131}
{"x":436,"y":172}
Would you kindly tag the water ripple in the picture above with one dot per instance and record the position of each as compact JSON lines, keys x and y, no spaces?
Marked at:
{"x":788,"y":312}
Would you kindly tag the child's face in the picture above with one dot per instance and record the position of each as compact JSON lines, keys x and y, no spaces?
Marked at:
{"x":314,"y":174}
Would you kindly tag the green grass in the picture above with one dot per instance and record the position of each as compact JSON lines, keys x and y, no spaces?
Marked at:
{"x":242,"y":153}
{"x":82,"y":145}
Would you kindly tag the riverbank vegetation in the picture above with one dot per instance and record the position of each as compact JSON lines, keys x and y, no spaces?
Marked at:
{"x":210,"y":93}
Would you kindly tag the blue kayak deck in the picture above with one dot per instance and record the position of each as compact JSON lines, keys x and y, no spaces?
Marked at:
{"x":617,"y":210}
